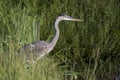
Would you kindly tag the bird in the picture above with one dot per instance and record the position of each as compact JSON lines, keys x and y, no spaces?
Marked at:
{"x":41,"y":48}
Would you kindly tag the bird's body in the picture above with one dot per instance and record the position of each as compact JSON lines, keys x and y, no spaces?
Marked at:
{"x":37,"y":49}
{"x":40,"y":48}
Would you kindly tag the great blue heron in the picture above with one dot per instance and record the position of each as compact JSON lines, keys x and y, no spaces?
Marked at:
{"x":41,"y":48}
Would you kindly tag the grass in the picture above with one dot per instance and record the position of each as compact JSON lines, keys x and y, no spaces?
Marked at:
{"x":88,"y":50}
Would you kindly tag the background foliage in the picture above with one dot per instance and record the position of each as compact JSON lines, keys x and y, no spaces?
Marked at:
{"x":88,"y":50}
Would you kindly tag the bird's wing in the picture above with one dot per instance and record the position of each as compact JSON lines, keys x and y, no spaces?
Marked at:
{"x":35,"y":47}
{"x":39,"y":47}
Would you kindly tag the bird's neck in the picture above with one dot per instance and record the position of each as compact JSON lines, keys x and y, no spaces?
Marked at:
{"x":56,"y":36}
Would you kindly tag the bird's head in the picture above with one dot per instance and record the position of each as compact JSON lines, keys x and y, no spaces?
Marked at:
{"x":68,"y":18}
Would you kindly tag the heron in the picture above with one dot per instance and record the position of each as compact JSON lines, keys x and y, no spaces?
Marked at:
{"x":40,"y":48}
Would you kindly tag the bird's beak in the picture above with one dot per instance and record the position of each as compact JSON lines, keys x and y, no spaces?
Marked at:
{"x":74,"y":19}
